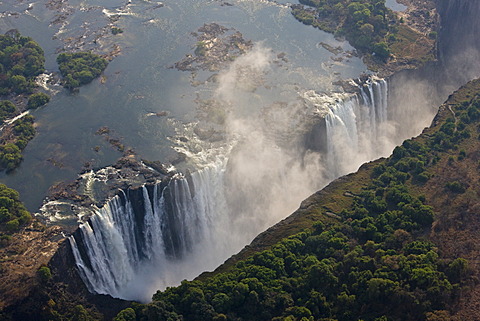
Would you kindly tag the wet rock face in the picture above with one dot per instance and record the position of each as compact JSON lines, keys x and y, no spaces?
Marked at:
{"x":69,"y":203}
{"x":460,"y":25}
{"x":459,"y":48}
{"x":316,"y":138}
{"x":69,"y":284}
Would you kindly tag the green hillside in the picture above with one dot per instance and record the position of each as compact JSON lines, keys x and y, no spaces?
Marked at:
{"x":374,"y":245}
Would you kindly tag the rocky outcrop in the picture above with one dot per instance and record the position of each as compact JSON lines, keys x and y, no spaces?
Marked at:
{"x":23,"y":294}
{"x":61,"y":294}
{"x":28,"y":250}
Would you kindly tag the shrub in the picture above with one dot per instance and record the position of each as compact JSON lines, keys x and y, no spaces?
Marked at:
{"x":80,"y":68}
{"x":7,"y":109}
{"x":37,"y":100}
{"x":13,"y":225}
{"x":116,"y":30}
{"x":455,"y":187}
{"x":126,"y":315}
{"x":44,"y":274}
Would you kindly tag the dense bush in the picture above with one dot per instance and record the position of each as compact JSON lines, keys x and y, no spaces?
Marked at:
{"x":36,"y":100}
{"x":11,"y":152}
{"x":10,"y":156}
{"x":7,"y":110}
{"x":80,"y":68}
{"x":21,"y":60}
{"x":12,"y":212}
{"x":364,"y":23}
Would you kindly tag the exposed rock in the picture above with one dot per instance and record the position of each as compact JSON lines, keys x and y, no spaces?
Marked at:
{"x":69,"y":203}
{"x":334,"y":50}
{"x":28,"y":250}
{"x":216,"y":45}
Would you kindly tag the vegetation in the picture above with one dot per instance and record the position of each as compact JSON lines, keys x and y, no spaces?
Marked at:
{"x":80,"y":68}
{"x":116,"y":30}
{"x":7,"y":110}
{"x":363,"y":23}
{"x":36,"y":100}
{"x":21,"y":60}
{"x":12,"y":213}
{"x":367,"y":25}
{"x":201,"y":48}
{"x":22,"y":132}
{"x":44,"y":274}
{"x":373,"y":261}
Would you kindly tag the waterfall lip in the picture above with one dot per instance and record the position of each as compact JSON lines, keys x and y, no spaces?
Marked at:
{"x":135,"y":230}
{"x":322,"y":104}
{"x":138,"y":218}
{"x":158,"y":225}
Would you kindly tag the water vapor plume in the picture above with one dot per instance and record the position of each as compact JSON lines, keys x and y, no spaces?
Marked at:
{"x":255,"y":177}
{"x":268,"y":174}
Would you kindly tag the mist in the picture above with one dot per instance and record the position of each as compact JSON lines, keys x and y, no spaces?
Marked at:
{"x":281,"y":143}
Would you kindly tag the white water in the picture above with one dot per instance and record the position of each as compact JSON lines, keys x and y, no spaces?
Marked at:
{"x":132,"y":253}
{"x":358,"y":129}
{"x":193,"y":224}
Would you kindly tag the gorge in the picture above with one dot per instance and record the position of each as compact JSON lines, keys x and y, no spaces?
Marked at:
{"x":153,"y":236}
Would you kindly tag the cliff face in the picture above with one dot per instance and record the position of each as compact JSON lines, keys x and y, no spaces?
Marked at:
{"x":459,"y":48}
{"x":437,"y":170}
{"x":458,"y":51}
{"x":29,"y":249}
{"x":456,"y":235}
{"x":460,"y":25}
{"x":61,"y":295}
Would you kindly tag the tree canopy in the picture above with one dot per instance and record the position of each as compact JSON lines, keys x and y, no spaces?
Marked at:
{"x":21,"y":60}
{"x":12,"y":212}
{"x":364,"y":23}
{"x":80,"y":68}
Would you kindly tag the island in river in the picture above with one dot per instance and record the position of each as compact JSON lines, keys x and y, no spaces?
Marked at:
{"x":345,"y":238}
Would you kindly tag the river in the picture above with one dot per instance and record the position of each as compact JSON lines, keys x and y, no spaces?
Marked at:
{"x":141,"y":80}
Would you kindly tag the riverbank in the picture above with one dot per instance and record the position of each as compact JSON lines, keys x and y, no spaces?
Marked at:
{"x":388,"y":41}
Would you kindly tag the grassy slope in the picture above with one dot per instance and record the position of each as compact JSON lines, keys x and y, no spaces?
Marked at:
{"x":337,"y":195}
{"x":455,"y":228}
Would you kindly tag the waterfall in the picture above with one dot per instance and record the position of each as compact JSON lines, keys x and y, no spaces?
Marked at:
{"x":357,"y":128}
{"x":152,"y":237}
{"x":149,"y":230}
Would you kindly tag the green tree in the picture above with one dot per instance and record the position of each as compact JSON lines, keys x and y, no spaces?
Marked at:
{"x":80,"y":68}
{"x":381,"y":50}
{"x":126,"y":315}
{"x":44,"y":274}
{"x":36,"y":100}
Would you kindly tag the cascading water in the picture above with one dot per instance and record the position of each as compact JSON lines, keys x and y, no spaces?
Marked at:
{"x":357,"y":128}
{"x":147,"y":231}
{"x":154,"y":237}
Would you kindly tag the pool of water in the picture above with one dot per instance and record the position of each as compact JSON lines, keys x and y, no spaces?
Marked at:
{"x":395,"y":6}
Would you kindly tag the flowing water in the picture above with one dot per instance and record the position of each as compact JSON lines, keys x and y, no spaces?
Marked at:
{"x":286,"y":131}
{"x":153,"y":237}
{"x":141,"y":81}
